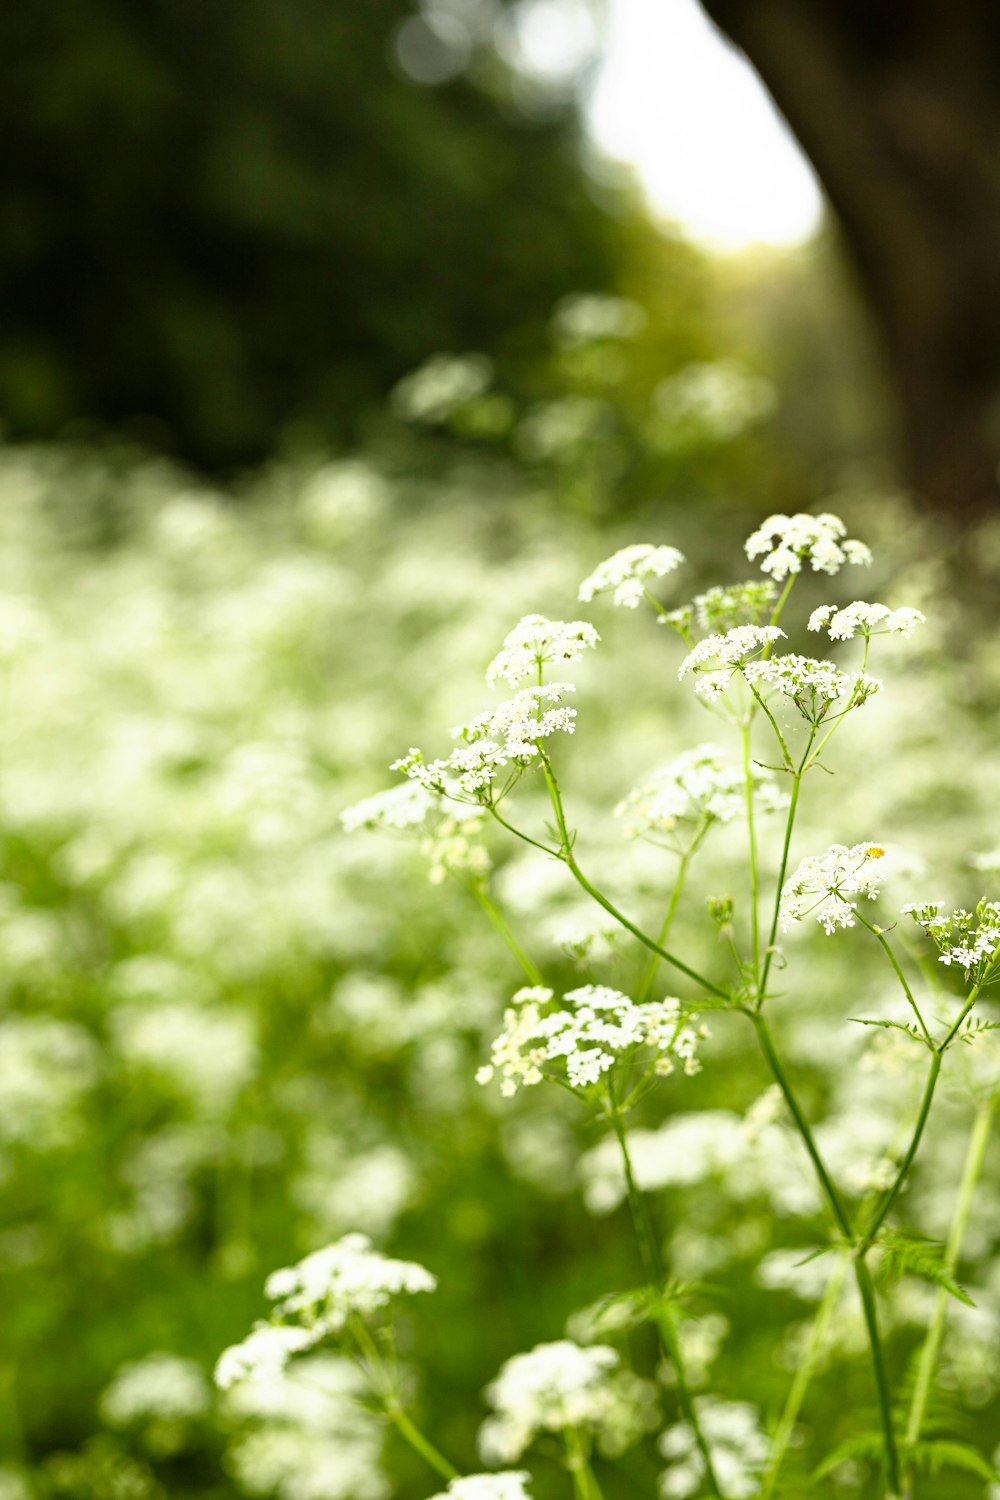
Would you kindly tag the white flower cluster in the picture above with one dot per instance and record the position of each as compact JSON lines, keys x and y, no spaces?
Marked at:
{"x":602,"y":1027}
{"x":823,"y":882}
{"x":968,"y":940}
{"x":510,"y":1484}
{"x":400,"y":808}
{"x":306,"y":1435}
{"x":559,"y":1386}
{"x":535,"y":641}
{"x":864,"y":619}
{"x":318,"y":1296}
{"x":624,"y":574}
{"x":587,"y":317}
{"x":718,"y":657}
{"x":738,"y":1447}
{"x":502,"y":736}
{"x":698,"y":788}
{"x":440,"y":385}
{"x":813,"y":686}
{"x":788,"y":540}
{"x":721,"y":608}
{"x":159,"y":1386}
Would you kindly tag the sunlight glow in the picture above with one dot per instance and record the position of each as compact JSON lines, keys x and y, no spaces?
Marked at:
{"x":673,"y":98}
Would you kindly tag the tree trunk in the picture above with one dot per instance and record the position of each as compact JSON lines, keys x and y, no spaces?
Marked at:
{"x":897,"y":104}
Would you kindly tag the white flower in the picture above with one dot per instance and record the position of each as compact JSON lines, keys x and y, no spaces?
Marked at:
{"x":558,"y":1386}
{"x":535,"y":641}
{"x":625,"y":573}
{"x":864,"y":619}
{"x":502,"y":736}
{"x":738,"y":1447}
{"x":262,"y":1355}
{"x":159,"y":1385}
{"x":788,"y":540}
{"x":400,"y":807}
{"x":966,"y":940}
{"x":698,"y":788}
{"x":717,"y":657}
{"x":586,"y":317}
{"x":602,"y":1027}
{"x":345,"y":1278}
{"x":508,"y":1485}
{"x":813,"y":686}
{"x":441,"y":385}
{"x":721,"y":608}
{"x":317,"y":1297}
{"x":823,"y":882}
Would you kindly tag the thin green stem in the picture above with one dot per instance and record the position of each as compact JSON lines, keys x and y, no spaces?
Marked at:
{"x":887,"y":947}
{"x":585,"y":1486}
{"x":891,"y":1194}
{"x":408,"y":1430}
{"x":833,"y":1198}
{"x":752,"y":841}
{"x":495,"y":915}
{"x":783,"y":598}
{"x":384,"y":1383}
{"x":566,"y":853}
{"x":803,"y":1378}
{"x":839,"y":718}
{"x":520,"y":834}
{"x":786,"y":846}
{"x":975,"y":1152}
{"x":649,"y":973}
{"x":862,"y":1276}
{"x":652,"y":1260}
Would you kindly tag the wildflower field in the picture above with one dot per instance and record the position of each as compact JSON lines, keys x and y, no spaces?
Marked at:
{"x":599,"y":1103}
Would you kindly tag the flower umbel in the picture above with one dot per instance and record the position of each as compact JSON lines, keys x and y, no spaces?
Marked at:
{"x":690,"y":793}
{"x":624,"y":574}
{"x":864,"y":619}
{"x":582,"y":1043}
{"x":966,"y":940}
{"x":787,"y":541}
{"x":315,"y":1299}
{"x":559,"y":1386}
{"x":821,"y":885}
{"x":509,"y":1484}
{"x":504,"y":736}
{"x":813,"y":686}
{"x":718,"y":657}
{"x":536,"y":641}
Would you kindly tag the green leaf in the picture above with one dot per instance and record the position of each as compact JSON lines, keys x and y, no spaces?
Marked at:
{"x":911,"y":1255}
{"x":910,"y":1030}
{"x":942,"y":1453}
{"x":866,"y":1445}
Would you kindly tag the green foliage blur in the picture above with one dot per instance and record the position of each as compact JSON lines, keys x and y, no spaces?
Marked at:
{"x":230,"y":223}
{"x":230,"y":1033}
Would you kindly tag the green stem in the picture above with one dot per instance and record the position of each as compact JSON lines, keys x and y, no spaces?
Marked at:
{"x":862,"y":1276}
{"x":889,"y":1198}
{"x":783,"y":599}
{"x":408,"y":1430}
{"x":384,"y":1384}
{"x":652,"y":1259}
{"x":773,"y":932}
{"x":887,"y":946}
{"x":975,"y":1152}
{"x":585,"y":1486}
{"x":839,"y":718}
{"x":803,"y":1378}
{"x":499,"y":922}
{"x":752,"y":839}
{"x":833,"y":1198}
{"x":566,"y":853}
{"x":649,"y":973}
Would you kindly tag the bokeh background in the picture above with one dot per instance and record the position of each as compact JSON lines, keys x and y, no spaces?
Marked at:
{"x":335,"y":337}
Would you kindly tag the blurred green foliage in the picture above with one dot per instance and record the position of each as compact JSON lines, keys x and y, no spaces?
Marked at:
{"x":229,"y":1033}
{"x":224,"y":221}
